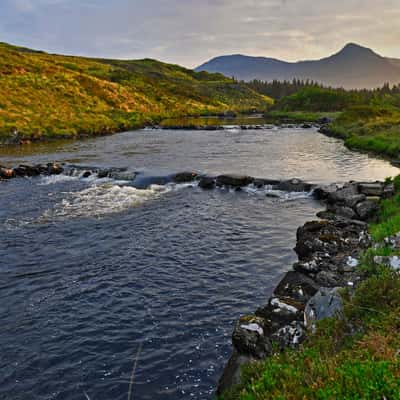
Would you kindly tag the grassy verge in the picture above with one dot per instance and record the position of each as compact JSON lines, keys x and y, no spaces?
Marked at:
{"x":278,"y":116}
{"x":370,"y":128}
{"x":356,"y":357}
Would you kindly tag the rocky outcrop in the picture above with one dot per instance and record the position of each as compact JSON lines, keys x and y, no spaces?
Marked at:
{"x":29,"y":171}
{"x":328,"y":252}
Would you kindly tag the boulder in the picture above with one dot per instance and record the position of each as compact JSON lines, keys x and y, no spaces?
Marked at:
{"x":389,"y":261}
{"x":342,"y":211}
{"x":234,"y":180}
{"x":294,"y":185}
{"x":291,"y":335}
{"x":7,"y":173}
{"x":207,"y":182}
{"x":326,"y":303}
{"x":232,"y":373}
{"x":184,"y":177}
{"x":324,"y":120}
{"x":297,"y":286}
{"x":371,"y":189}
{"x":367,"y":209}
{"x":344,"y":196}
{"x":250,"y":337}
{"x":27,"y":170}
{"x":306,"y":126}
{"x":54,"y":169}
{"x":323,"y":192}
{"x":86,"y":174}
{"x":259,"y":183}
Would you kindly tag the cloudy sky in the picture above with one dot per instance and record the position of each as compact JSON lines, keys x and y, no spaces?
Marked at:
{"x":189,"y":32}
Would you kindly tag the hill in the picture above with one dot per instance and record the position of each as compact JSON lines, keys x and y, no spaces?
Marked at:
{"x":354,"y":67}
{"x":44,"y":95}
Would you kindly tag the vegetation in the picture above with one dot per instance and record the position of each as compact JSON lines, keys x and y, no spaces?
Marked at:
{"x":356,"y":357}
{"x":43,"y":95}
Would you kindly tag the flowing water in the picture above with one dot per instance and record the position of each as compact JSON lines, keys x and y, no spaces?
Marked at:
{"x":97,"y":274}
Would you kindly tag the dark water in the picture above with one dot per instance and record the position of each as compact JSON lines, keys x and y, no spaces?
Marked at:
{"x":93,"y":270}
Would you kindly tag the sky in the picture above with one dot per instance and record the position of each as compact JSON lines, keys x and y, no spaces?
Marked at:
{"x":190,"y":32}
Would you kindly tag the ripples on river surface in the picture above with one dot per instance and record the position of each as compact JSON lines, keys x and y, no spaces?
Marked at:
{"x":90,"y":269}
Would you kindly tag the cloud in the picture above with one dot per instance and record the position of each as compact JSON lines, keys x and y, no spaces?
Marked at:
{"x":191,"y":31}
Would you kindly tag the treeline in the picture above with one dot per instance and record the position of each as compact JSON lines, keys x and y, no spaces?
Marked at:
{"x":280,"y":89}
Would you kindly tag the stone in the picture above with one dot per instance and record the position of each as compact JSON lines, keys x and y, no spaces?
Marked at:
{"x":367,"y":209}
{"x":371,"y":189}
{"x":344,"y":196}
{"x":294,"y":185}
{"x":207,"y":182}
{"x":232,"y":373}
{"x":323,"y":192}
{"x":184,"y":177}
{"x":7,"y":173}
{"x":27,"y":170}
{"x":259,"y":183}
{"x":234,"y":180}
{"x":389,"y":261}
{"x":249,"y":337}
{"x":86,"y":174}
{"x":54,"y":169}
{"x":326,"y":303}
{"x":291,"y":335}
{"x":342,"y":211}
{"x":296,"y":286}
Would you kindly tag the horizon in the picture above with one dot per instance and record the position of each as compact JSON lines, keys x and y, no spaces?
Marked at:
{"x":190,"y":34}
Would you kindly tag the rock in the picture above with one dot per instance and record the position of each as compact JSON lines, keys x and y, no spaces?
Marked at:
{"x":259,"y":183}
{"x":323,"y":192}
{"x":344,"y":196}
{"x":27,"y":170}
{"x":325,"y":304}
{"x":207,"y":182}
{"x":329,"y":279}
{"x":393,"y":241}
{"x":371,"y":189}
{"x":388,"y":191}
{"x":234,"y":180}
{"x":389,"y":261}
{"x":86,"y":174}
{"x":184,"y":177}
{"x":342,"y":211}
{"x":306,"y":126}
{"x":290,"y":335}
{"x":294,"y":185}
{"x":54,"y":169}
{"x":324,"y":120}
{"x":297,"y":286}
{"x":7,"y":173}
{"x":367,"y":209}
{"x":232,"y":373}
{"x":250,"y":337}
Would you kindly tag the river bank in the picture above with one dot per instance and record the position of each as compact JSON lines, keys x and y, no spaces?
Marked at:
{"x":339,"y":262}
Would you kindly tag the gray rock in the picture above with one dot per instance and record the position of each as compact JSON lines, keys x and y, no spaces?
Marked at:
{"x":371,"y":189}
{"x":325,"y":304}
{"x":296,"y":286}
{"x":367,"y":209}
{"x":207,"y":182}
{"x":184,"y":177}
{"x":232,"y":373}
{"x":342,"y":211}
{"x":344,"y":196}
{"x":250,"y":337}
{"x":294,"y":185}
{"x":290,"y":335}
{"x":234,"y":180}
{"x":389,"y":261}
{"x":323,"y":192}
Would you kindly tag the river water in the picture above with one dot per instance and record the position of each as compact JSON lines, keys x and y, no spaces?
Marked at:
{"x":97,"y":275}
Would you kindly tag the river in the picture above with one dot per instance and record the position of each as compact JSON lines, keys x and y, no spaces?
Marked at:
{"x":97,"y":275}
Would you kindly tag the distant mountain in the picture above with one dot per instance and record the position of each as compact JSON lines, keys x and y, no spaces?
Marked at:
{"x":352,"y":67}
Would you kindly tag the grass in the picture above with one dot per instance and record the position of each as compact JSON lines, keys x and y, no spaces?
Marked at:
{"x":43,"y":95}
{"x":278,"y":116}
{"x":356,"y":357}
{"x":372,"y":128}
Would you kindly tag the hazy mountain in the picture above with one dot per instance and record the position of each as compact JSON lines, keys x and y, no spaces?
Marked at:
{"x":352,"y":67}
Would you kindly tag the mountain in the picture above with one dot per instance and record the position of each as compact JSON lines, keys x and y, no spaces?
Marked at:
{"x":352,"y":67}
{"x":46,"y":95}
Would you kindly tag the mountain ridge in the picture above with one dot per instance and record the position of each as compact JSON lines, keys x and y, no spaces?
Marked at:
{"x":353,"y":67}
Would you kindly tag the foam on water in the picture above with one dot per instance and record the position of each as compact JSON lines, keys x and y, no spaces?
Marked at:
{"x":99,"y":200}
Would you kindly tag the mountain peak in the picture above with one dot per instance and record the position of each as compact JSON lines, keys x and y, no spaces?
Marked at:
{"x":354,"y":48}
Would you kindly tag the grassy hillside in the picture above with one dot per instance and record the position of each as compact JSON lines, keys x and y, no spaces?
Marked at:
{"x":43,"y":95}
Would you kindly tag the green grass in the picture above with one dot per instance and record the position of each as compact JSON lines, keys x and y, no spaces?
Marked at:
{"x":356,"y":357}
{"x":43,"y":95}
{"x":278,"y":116}
{"x":372,"y":128}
